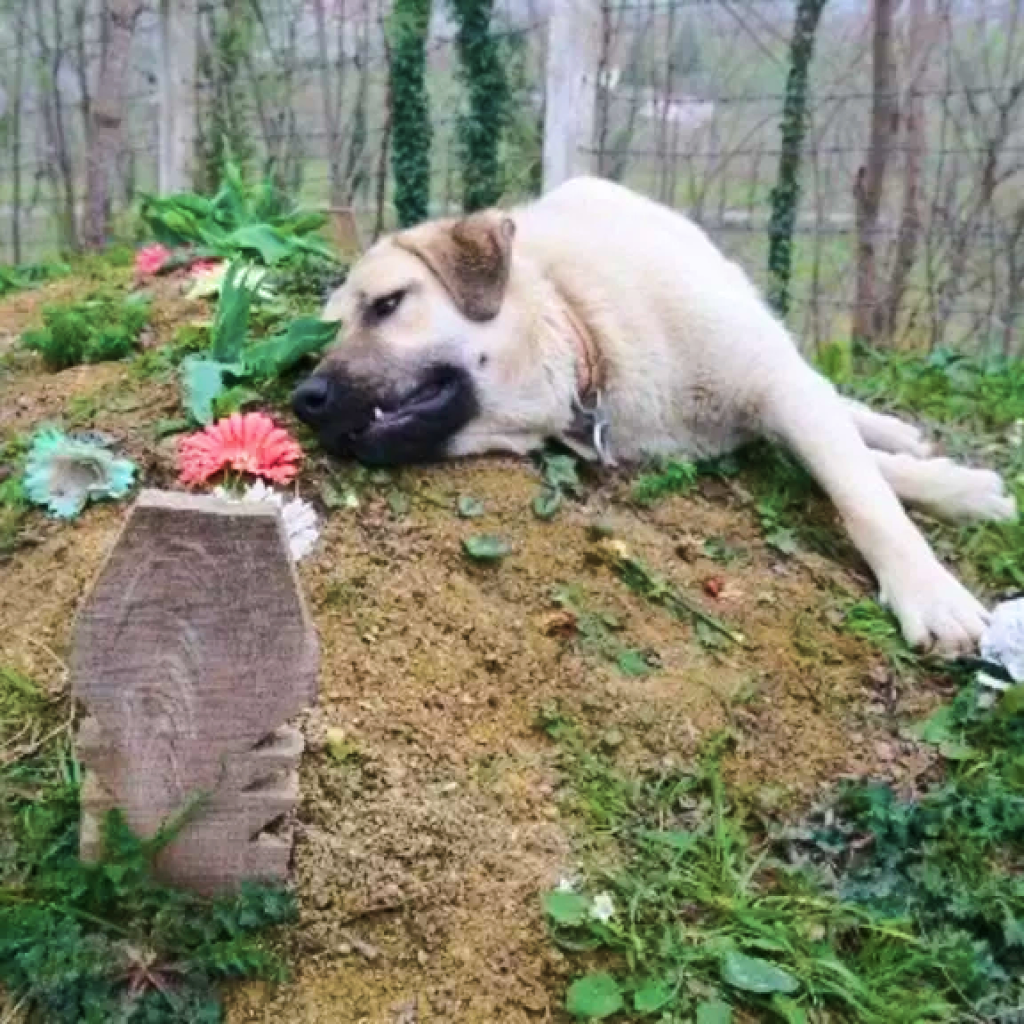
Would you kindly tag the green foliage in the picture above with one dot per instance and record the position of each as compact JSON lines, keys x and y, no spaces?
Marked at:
{"x":411,"y":132}
{"x":95,"y":331}
{"x":672,"y":476}
{"x":659,"y":590}
{"x":83,"y":943}
{"x":978,"y":393}
{"x":698,"y":918}
{"x":785,"y":196}
{"x":212,"y":382}
{"x":30,"y":275}
{"x":256,"y":222}
{"x":560,"y":478}
{"x":952,"y":858}
{"x":598,"y":631}
{"x":480,"y":131}
{"x":14,"y":505}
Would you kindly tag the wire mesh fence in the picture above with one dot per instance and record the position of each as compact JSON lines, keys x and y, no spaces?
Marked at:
{"x":689,"y":101}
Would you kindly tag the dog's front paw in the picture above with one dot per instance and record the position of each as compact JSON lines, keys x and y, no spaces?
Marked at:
{"x":935,"y":611}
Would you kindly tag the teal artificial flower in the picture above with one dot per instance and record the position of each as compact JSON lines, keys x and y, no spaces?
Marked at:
{"x":63,"y":473}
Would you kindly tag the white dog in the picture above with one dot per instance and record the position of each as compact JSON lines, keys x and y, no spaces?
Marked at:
{"x":614,"y":324}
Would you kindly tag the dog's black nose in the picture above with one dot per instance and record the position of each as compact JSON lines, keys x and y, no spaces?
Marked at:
{"x":313,"y":398}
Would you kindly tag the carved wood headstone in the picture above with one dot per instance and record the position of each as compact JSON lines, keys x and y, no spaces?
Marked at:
{"x":192,"y":651}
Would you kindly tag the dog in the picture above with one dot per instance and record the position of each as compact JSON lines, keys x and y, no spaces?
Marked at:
{"x":599,"y":318}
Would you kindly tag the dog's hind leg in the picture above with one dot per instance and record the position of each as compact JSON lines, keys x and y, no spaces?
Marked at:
{"x":887,"y":433}
{"x":801,"y":409}
{"x":948,"y":490}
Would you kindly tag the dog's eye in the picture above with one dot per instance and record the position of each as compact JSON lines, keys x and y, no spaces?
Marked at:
{"x":386,"y":305}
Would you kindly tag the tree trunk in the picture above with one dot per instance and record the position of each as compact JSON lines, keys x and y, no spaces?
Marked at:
{"x":16,"y":139}
{"x":786,"y":194}
{"x":331,"y":100}
{"x":107,"y":117}
{"x":870,"y":183}
{"x":909,"y":233}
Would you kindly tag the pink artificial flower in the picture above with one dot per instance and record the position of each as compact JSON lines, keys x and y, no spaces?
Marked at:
{"x":248,"y":443}
{"x":150,"y":259}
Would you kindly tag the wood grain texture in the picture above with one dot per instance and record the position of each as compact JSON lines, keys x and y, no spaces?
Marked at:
{"x":191,"y":652}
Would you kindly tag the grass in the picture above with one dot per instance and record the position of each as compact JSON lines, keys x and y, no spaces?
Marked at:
{"x":107,"y":941}
{"x":96,"y":330}
{"x":878,"y":910}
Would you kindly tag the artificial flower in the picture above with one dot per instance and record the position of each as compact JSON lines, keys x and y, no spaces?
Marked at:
{"x":245,"y":442}
{"x":1002,"y":644}
{"x":150,"y":260}
{"x":298,"y":516}
{"x":208,"y":280}
{"x":63,"y":473}
{"x":603,"y":907}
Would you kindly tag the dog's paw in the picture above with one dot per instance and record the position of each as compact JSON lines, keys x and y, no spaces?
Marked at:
{"x":986,"y":500}
{"x":905,"y":437}
{"x":935,"y":611}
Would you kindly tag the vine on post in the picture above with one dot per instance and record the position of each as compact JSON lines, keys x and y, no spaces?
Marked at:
{"x":480,"y":131}
{"x":785,"y":196}
{"x":411,"y":132}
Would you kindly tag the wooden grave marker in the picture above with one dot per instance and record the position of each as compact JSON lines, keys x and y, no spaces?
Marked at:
{"x":191,"y":653}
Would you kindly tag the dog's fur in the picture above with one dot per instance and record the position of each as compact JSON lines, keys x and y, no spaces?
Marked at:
{"x":470,"y":319}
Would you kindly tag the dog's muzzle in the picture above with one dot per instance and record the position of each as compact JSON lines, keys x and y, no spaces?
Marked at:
{"x":385,"y":429}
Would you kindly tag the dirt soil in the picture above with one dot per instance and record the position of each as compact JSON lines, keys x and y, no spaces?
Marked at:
{"x":430,"y":825}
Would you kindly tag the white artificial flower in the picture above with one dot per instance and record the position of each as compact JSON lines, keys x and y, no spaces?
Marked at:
{"x":299,"y":516}
{"x":603,"y":907}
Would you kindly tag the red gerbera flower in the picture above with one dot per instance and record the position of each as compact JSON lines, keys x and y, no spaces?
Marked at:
{"x":150,"y":259}
{"x":248,"y":443}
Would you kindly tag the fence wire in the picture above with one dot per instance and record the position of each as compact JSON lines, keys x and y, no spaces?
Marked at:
{"x":688,"y":108}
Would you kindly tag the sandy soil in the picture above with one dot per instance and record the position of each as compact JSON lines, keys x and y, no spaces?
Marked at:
{"x":428,"y":832}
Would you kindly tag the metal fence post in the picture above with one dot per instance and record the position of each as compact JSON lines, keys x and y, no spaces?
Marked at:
{"x":570,"y":94}
{"x":179,"y":26}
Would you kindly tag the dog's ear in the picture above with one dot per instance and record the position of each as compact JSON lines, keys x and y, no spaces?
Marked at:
{"x":471,"y":258}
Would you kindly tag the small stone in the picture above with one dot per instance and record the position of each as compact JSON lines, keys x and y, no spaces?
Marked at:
{"x":613,"y":739}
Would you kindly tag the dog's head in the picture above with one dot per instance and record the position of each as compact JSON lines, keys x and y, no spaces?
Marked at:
{"x":421,"y":322}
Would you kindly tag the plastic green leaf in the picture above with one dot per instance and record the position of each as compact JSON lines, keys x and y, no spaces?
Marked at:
{"x":594,"y":997}
{"x":566,"y":907}
{"x":714,"y":1013}
{"x":232,"y":320}
{"x":485,"y":548}
{"x":263,"y":239}
{"x":202,"y":382}
{"x":275,"y":356}
{"x":653,"y":995}
{"x":752,"y":974}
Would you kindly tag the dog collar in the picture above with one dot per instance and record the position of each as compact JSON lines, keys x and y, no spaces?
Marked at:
{"x":589,"y":365}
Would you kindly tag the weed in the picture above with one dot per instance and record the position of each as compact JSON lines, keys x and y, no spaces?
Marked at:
{"x":711,"y":631}
{"x":597,"y":632}
{"x":672,"y":476}
{"x":951,"y":858}
{"x":30,"y":275}
{"x":875,"y":624}
{"x":14,"y":506}
{"x":104,"y":942}
{"x":699,"y":917}
{"x":94,"y":331}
